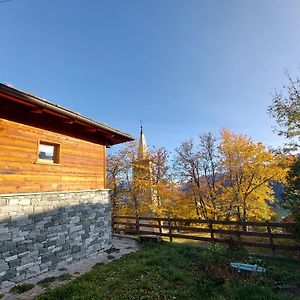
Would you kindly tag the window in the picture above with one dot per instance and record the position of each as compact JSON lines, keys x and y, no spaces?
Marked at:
{"x":48,"y":152}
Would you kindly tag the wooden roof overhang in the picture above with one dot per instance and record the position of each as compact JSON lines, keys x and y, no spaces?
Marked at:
{"x":28,"y":109}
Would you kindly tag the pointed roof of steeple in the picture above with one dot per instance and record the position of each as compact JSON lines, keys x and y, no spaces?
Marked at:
{"x":143,"y":147}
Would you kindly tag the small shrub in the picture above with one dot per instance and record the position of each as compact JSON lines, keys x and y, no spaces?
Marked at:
{"x":216,"y":249}
{"x":21,"y":288}
{"x":47,"y":281}
{"x":62,"y":269}
{"x":64,"y":277}
{"x":112,"y":250}
{"x":256,"y":261}
{"x":1,"y":296}
{"x":214,"y":254}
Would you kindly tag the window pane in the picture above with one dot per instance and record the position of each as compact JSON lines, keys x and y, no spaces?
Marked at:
{"x":46,"y":152}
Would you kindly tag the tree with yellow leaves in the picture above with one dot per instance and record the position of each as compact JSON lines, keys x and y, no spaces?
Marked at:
{"x":139,"y":186}
{"x":248,"y":170}
{"x":118,"y":179}
{"x":231,"y":180}
{"x":197,"y":167}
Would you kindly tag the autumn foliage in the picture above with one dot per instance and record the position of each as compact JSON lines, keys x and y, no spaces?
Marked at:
{"x":226,"y":179}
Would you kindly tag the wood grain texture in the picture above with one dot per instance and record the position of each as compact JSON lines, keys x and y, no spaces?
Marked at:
{"x":81,"y":166}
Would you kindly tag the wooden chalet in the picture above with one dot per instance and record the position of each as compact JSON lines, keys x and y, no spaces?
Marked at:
{"x":54,"y":208}
{"x":45,"y":147}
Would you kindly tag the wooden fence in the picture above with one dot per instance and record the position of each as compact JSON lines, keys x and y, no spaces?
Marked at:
{"x":225,"y":232}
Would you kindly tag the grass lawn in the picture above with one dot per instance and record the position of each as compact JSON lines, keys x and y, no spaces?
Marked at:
{"x":176,"y":271}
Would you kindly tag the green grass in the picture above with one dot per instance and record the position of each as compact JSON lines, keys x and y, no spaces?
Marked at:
{"x":64,"y":277}
{"x":176,"y":271}
{"x":21,"y":288}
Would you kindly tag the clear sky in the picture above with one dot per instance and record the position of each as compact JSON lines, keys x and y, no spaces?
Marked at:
{"x":184,"y":67}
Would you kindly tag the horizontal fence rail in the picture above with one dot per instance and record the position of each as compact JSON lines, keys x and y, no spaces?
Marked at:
{"x":224,"y":232}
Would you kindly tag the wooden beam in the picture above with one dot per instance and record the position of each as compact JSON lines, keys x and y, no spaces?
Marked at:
{"x":37,"y":110}
{"x":90,"y":129}
{"x":68,"y":121}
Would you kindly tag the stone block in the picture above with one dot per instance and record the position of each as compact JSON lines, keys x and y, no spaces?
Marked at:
{"x":76,"y":249}
{"x":10,"y":258}
{"x":3,"y":202}
{"x":3,"y":265}
{"x":56,"y":249}
{"x":10,"y":273}
{"x":75,"y":219}
{"x":18,"y":277}
{"x":50,"y":229}
{"x":30,"y":257}
{"x":11,"y":208}
{"x":3,"y":230}
{"x":13,"y":201}
{"x":18,"y":239}
{"x":34,"y":270}
{"x":23,"y":267}
{"x":5,"y":236}
{"x":27,"y":209}
{"x":14,"y":263}
{"x":25,"y":202}
{"x":6,"y":247}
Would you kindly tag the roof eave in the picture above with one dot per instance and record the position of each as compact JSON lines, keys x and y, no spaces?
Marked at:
{"x":36,"y":101}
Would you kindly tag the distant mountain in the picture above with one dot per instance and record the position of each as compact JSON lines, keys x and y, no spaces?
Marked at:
{"x":278,"y":189}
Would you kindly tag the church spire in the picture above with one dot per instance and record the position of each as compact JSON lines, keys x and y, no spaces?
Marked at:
{"x":143,"y":147}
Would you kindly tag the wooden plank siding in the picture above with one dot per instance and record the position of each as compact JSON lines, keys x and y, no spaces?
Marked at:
{"x":81,"y":165}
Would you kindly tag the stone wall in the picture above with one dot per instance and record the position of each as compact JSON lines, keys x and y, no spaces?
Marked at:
{"x":44,"y":231}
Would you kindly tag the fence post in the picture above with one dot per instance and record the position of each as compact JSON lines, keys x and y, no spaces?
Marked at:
{"x":212,"y":236}
{"x":271,"y":238}
{"x":230,"y":243}
{"x":170,"y":229}
{"x":112,"y":224}
{"x":137,"y":225}
{"x":238,"y":232}
{"x":159,"y":224}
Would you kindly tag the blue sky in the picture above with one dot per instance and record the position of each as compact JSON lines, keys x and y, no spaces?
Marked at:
{"x":184,"y":67}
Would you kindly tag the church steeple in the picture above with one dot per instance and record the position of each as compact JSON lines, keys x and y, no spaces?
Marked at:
{"x":143,"y":147}
{"x":142,"y":173}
